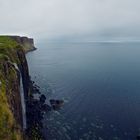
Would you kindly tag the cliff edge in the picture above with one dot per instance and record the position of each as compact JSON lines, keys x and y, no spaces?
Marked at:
{"x":25,"y":42}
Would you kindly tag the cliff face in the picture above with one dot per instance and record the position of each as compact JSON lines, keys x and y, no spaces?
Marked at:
{"x":13,"y":65}
{"x":25,"y":42}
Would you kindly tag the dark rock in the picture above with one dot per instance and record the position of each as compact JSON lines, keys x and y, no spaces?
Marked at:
{"x":46,"y":108}
{"x":42,"y":99}
{"x":56,"y":104}
{"x":138,"y":137}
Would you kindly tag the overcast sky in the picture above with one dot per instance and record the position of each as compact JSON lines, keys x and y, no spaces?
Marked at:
{"x":87,"y":20}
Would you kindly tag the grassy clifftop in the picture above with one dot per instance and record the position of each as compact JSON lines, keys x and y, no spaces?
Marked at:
{"x":8,"y":47}
{"x":10,"y":102}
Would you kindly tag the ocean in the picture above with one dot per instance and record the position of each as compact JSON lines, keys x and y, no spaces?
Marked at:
{"x":99,"y":83}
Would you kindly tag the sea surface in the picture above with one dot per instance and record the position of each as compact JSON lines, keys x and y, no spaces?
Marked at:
{"x":100,"y":84}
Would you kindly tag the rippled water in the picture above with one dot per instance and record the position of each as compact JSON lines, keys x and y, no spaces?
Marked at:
{"x":100,"y":83}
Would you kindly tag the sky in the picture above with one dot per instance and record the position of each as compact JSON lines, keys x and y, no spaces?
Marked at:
{"x":71,"y":20}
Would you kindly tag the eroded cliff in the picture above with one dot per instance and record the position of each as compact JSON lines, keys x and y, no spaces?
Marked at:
{"x":13,"y":67}
{"x":25,"y":42}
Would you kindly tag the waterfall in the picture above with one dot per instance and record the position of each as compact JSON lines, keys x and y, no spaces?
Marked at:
{"x":23,"y":103}
{"x":22,"y":99}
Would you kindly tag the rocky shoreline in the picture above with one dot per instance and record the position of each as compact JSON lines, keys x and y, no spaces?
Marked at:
{"x":36,"y":108}
{"x":17,"y":89}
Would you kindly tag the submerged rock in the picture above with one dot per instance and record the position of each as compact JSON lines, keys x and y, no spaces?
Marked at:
{"x":56,"y":104}
{"x":46,"y":108}
{"x":42,"y":99}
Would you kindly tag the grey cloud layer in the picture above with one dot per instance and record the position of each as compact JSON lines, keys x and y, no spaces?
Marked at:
{"x":57,"y":19}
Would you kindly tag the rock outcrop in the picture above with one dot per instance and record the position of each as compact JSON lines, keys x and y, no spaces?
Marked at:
{"x":25,"y":42}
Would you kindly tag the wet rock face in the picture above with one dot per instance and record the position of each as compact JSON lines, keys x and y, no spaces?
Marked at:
{"x":23,"y":67}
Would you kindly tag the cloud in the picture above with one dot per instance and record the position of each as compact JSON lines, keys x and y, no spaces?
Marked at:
{"x":71,"y":19}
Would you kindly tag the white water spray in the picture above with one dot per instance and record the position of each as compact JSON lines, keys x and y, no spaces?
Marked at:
{"x":22,"y":99}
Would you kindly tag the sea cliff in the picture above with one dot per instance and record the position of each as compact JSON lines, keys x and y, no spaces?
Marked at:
{"x":14,"y":75}
{"x":25,"y":42}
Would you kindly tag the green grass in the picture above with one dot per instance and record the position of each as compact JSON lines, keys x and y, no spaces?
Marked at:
{"x":9,"y":48}
{"x":5,"y":40}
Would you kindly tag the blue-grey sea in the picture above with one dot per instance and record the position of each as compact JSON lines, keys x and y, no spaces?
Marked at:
{"x":100,"y":84}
